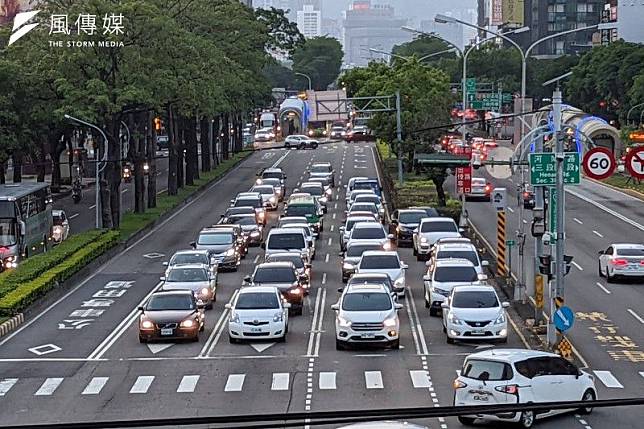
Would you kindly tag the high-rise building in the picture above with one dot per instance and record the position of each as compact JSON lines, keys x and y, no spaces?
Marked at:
{"x":625,"y":20}
{"x":331,"y":28}
{"x":309,"y":21}
{"x":368,"y":25}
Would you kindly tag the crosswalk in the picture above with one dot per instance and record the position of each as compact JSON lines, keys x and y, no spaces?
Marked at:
{"x":279,"y":381}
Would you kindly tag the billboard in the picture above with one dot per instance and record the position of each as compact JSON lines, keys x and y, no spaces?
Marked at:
{"x":497,"y":12}
{"x":513,"y":12}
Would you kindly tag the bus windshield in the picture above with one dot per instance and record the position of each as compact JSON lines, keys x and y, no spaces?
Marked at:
{"x":8,"y":232}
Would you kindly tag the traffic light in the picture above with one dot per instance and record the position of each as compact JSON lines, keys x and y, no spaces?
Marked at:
{"x":157,"y":123}
{"x":568,"y":261}
{"x":545,"y":266}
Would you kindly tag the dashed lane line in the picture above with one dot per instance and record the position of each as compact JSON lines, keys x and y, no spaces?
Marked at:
{"x":577,"y":266}
{"x":608,"y":379}
{"x":49,"y":386}
{"x":597,"y":234}
{"x":607,"y":210}
{"x":235,"y":383}
{"x":578,"y":221}
{"x":602,"y":287}
{"x":95,"y":386}
{"x":74,"y":215}
{"x":142,"y":384}
{"x":636,"y":316}
{"x":188,"y":384}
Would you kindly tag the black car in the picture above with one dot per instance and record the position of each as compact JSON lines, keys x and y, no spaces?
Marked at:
{"x":242,"y":239}
{"x":233,"y":211}
{"x":250,"y":228}
{"x":171,"y":315}
{"x":284,"y":276}
{"x":403,"y":223}
{"x":223,"y":245}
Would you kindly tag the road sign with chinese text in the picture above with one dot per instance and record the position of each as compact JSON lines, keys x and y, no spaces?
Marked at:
{"x":470,"y":85}
{"x":463,"y":180}
{"x":543,"y":169}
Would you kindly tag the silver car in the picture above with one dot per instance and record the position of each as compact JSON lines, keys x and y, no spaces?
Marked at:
{"x":193,"y":277}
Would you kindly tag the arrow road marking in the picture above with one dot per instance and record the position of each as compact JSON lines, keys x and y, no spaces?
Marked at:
{"x":260,"y":347}
{"x":156,"y":348}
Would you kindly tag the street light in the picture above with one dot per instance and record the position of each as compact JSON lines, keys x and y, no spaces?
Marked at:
{"x":391,"y":54}
{"x":631,"y":111}
{"x":96,"y":166}
{"x":306,"y":76}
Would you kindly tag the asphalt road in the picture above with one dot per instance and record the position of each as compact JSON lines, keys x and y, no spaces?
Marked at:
{"x":80,"y":360}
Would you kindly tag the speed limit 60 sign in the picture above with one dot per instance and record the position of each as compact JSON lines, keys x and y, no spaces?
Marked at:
{"x":599,"y":163}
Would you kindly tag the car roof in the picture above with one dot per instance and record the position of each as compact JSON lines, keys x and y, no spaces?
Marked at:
{"x":360,"y":225}
{"x":380,"y":253}
{"x":362,"y":204}
{"x":285,"y":230}
{"x":628,"y":246}
{"x":509,"y":355}
{"x":272,"y":170}
{"x":243,"y":195}
{"x":455,"y":246}
{"x":173,"y":292}
{"x":474,"y":288}
{"x":362,"y":191}
{"x":258,"y":289}
{"x":437,"y":219}
{"x":277,"y":264}
{"x":454,"y":262}
{"x":242,"y":207}
{"x":190,"y":251}
{"x":454,"y":240}
{"x":284,"y":255}
{"x":365,"y":287}
{"x":309,"y":184}
{"x":358,"y":276}
{"x":292,"y":217}
{"x":361,"y":242}
{"x":321,"y":163}
{"x":410,"y":210}
{"x":264,"y":185}
{"x":360,"y":213}
{"x":192,"y":265}
{"x":227,"y":229}
{"x":301,"y":200}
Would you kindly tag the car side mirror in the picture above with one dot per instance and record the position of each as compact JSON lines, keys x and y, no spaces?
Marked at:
{"x":228,"y":306}
{"x":232,"y":201}
{"x":23,"y":228}
{"x":341,"y":254}
{"x":485,"y":263}
{"x":601,"y":252}
{"x":482,"y":277}
{"x":162,"y":278}
{"x":398,"y":306}
{"x":404,"y":266}
{"x":335,"y":307}
{"x":222,"y":215}
{"x":193,"y":244}
{"x":246,"y":279}
{"x":141,"y":308}
{"x":505,"y":304}
{"x":415,"y":231}
{"x":341,"y":228}
{"x":201,"y":305}
{"x":445,"y":305}
{"x":461,"y":230}
{"x":390,"y":236}
{"x":427,"y":278}
{"x":286,"y":305}
{"x":165,"y":264}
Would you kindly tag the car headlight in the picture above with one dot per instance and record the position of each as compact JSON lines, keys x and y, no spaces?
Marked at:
{"x":230,"y":252}
{"x":254,"y":234}
{"x":389,"y":323}
{"x":399,"y":282}
{"x":258,"y":181}
{"x":423,"y":240}
{"x":205,"y":291}
{"x":329,"y":191}
{"x":345,"y":323}
{"x":347,"y":266}
{"x":278,"y":190}
{"x":272,"y":199}
{"x":146,"y":324}
{"x":234,"y":318}
{"x":323,"y":199}
{"x":295,"y":291}
{"x":453,"y":319}
{"x":387,"y":246}
{"x":500,"y":319}
{"x":278,"y":317}
{"x":188,"y":323}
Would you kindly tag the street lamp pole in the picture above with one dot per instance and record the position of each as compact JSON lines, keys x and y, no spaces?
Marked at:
{"x":96,"y":166}
{"x":628,"y":115}
{"x":433,"y":54}
{"x":306,"y":76}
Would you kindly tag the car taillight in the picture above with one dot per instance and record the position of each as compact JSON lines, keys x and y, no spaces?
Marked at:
{"x":487,"y":188}
{"x":619,"y":262}
{"x":511,"y":389}
{"x":458,"y":384}
{"x":526,"y":194}
{"x":642,"y":262}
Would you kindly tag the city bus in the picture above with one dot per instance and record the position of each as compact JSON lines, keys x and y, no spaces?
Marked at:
{"x":26,"y":221}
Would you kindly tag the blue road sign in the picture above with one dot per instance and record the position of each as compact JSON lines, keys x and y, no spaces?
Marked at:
{"x":564,"y":318}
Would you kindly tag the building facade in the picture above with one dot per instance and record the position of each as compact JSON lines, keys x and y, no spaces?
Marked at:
{"x":627,"y":22}
{"x":309,"y":21}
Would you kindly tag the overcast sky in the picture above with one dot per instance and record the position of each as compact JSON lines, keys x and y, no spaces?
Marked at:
{"x":417,"y":9}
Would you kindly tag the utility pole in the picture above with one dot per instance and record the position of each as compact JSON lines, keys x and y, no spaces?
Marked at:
{"x":399,"y":138}
{"x":539,"y":207}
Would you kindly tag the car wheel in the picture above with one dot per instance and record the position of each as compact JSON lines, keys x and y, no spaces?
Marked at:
{"x":314,"y":146}
{"x":339,"y":345}
{"x":526,"y":420}
{"x":589,"y":395}
{"x":449,"y":340}
{"x":282,"y":339}
{"x":467,"y":421}
{"x":142,"y":340}
{"x":302,"y":146}
{"x":599,"y":269}
{"x":232,"y":340}
{"x":287,"y":146}
{"x":609,"y":278}
{"x":503,"y":340}
{"x":444,"y":329}
{"x":395,"y":344}
{"x":415,"y":252}
{"x":433,"y":311}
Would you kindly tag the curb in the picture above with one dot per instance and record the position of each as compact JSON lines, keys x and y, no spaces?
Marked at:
{"x":633,"y":193}
{"x":11,"y":324}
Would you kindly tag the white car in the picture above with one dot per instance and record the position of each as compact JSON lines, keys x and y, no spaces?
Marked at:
{"x":371,"y":198}
{"x":192,"y":256}
{"x":519,"y":376}
{"x":324,"y":170}
{"x":258,"y":312}
{"x":316,"y":190}
{"x":429,"y":231}
{"x":277,"y":184}
{"x":352,"y":181}
{"x":475,"y":312}
{"x":345,"y":230}
{"x":622,"y":260}
{"x":270,"y":197}
{"x":196,"y":278}
{"x":460,"y":248}
{"x":366,"y":313}
{"x":371,"y":231}
{"x":60,"y":231}
{"x":308,"y":232}
{"x":365,"y":207}
{"x":443,"y":277}
{"x":388,"y":262}
{"x":351,"y":195}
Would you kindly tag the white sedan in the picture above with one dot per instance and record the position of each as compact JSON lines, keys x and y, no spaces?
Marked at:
{"x":622,"y":260}
{"x":258,"y":313}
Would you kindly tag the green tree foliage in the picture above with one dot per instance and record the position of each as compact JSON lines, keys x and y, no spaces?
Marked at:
{"x":422,"y":47}
{"x":320,"y":58}
{"x":283,"y":34}
{"x":278,"y":75}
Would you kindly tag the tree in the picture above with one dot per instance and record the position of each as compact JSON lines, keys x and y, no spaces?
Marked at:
{"x":422,"y":46}
{"x":320,"y":58}
{"x":278,"y":75}
{"x":283,"y":34}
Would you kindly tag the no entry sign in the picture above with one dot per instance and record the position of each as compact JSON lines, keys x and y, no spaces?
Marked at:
{"x":599,"y":163}
{"x":635,"y":162}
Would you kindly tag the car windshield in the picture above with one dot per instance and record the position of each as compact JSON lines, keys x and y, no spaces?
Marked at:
{"x":486,"y":370}
{"x":287,"y":222}
{"x":58,"y":220}
{"x":440,"y":226}
{"x":366,"y":301}
{"x":272,"y":175}
{"x":352,"y":222}
{"x":272,"y":182}
{"x":359,"y":249}
{"x":470,"y":255}
{"x":411,"y":217}
{"x":286,"y":240}
{"x":368,"y":233}
{"x":630,"y":252}
{"x":371,"y":279}
{"x":455,"y":274}
{"x":8,"y":232}
{"x":300,"y":210}
{"x":366,"y":185}
{"x":274,"y":275}
{"x":240,"y":210}
{"x":257,"y":301}
{"x":475,"y":299}
{"x":385,"y":262}
{"x":187,"y":275}
{"x":295,"y":259}
{"x":243,"y":220}
{"x":251,"y":202}
{"x":305,"y":228}
{"x":215,"y":238}
{"x":264,"y":189}
{"x":169,"y":302}
{"x":320,"y":169}
{"x":316,"y":191}
{"x":189,"y":258}
{"x":364,"y":207}
{"x":368,"y":199}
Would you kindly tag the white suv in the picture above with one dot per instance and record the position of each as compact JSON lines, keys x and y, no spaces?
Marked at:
{"x":511,"y":376}
{"x":475,"y":312}
{"x":441,"y":279}
{"x":373,"y":232}
{"x":429,"y":231}
{"x":388,"y":262}
{"x":461,"y":248}
{"x":366,"y":313}
{"x":258,"y":312}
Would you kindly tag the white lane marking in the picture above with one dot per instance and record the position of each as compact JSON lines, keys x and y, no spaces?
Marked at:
{"x":326,"y":259}
{"x":608,"y":379}
{"x":235,"y":383}
{"x":602,"y":287}
{"x":607,"y":210}
{"x":635,"y":315}
{"x":217,"y":330}
{"x":95,"y":386}
{"x":577,"y":266}
{"x":281,"y":159}
{"x":329,"y":241}
{"x":319,"y":326}
{"x":327,"y":381}
{"x":510,"y":209}
{"x":419,"y":379}
{"x":332,"y":227}
{"x":260,"y":347}
{"x":525,"y":221}
{"x":159,"y":347}
{"x":124,"y":191}
{"x":316,"y":309}
{"x":188,"y":384}
{"x":49,"y":386}
{"x":6,"y":384}
{"x":335,"y":206}
{"x":373,"y":379}
{"x":419,"y":328}
{"x":597,"y":234}
{"x":280,"y":381}
{"x":458,"y":372}
{"x":142,"y":384}
{"x":323,"y":278}
{"x":333,"y":215}
{"x":92,"y":206}
{"x":412,"y":325}
{"x":642,"y":374}
{"x":578,"y":221}
{"x":74,"y":215}
{"x":256,"y":259}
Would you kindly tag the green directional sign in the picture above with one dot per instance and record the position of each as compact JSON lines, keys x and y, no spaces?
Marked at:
{"x":552,"y":209}
{"x":509,"y":243}
{"x":470,"y":85}
{"x":507,"y":97}
{"x":543,"y":169}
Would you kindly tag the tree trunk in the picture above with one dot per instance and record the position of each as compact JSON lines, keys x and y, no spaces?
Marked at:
{"x":216,"y":146}
{"x":3,"y":171}
{"x":172,"y":154}
{"x":192,"y":128}
{"x":56,"y":147}
{"x":150,"y":151}
{"x":42,"y":160}
{"x":137,"y":142}
{"x":192,"y":166}
{"x":180,"y":151}
{"x":225,"y":140}
{"x":112,"y":172}
{"x":17,"y":157}
{"x":205,"y":142}
{"x":440,"y":192}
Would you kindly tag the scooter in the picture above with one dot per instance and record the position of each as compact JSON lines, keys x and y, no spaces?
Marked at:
{"x":76,"y":192}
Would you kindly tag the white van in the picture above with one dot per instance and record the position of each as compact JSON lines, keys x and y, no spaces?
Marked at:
{"x":281,"y":240}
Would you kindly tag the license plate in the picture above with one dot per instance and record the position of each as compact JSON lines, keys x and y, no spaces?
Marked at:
{"x":255,"y":329}
{"x":167,"y":331}
{"x":483,"y":398}
{"x":368,"y":336}
{"x":478,"y":332}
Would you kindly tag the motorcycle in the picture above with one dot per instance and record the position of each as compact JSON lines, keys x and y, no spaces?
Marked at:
{"x":76,"y":192}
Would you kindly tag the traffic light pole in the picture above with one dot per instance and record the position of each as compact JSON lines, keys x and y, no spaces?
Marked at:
{"x":399,"y":138}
